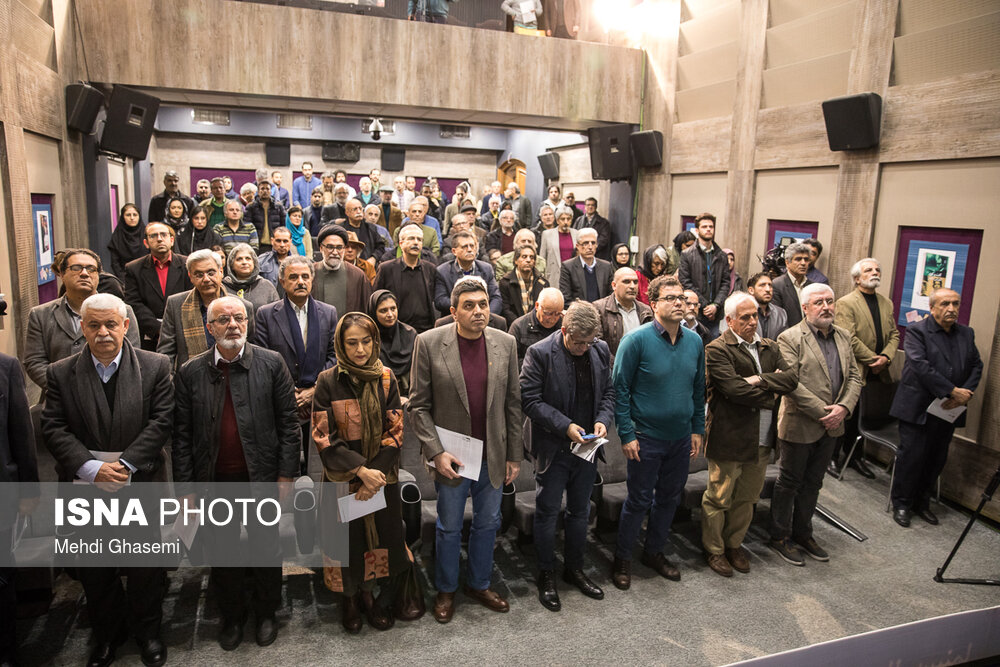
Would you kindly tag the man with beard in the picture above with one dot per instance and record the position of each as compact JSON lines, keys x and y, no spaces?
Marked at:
{"x":366,"y":232}
{"x":338,"y":283}
{"x":171,"y":188}
{"x":204,"y":191}
{"x":691,"y":322}
{"x":150,"y":280}
{"x":705,"y":269}
{"x":338,"y":209}
{"x":303,"y":186}
{"x":312,"y":215}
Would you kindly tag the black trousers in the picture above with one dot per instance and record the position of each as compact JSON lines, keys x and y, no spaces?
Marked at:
{"x":923,"y":451}
{"x":113,"y":608}
{"x":800,"y":477}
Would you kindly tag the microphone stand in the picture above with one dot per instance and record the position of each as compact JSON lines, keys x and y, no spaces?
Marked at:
{"x":987,"y":496}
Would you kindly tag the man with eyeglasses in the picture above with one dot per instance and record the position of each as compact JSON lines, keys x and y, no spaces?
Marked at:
{"x":745,"y":375}
{"x":690,"y":320}
{"x":567,"y":393}
{"x":810,"y":420}
{"x":254,"y":439}
{"x":54,"y":330}
{"x":339,"y":283}
{"x":150,"y":280}
{"x":585,"y":276}
{"x":466,"y":248}
{"x":541,"y":322}
{"x":183,"y":334}
{"x":659,"y":379}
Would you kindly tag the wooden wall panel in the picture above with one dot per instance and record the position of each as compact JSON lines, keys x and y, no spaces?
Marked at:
{"x":33,"y":35}
{"x":959,"y":48}
{"x":700,"y":146}
{"x":793,"y":136}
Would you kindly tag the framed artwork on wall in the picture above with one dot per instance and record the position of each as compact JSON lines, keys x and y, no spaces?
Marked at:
{"x":687,"y":223}
{"x":931,"y":258}
{"x":786,"y":232}
{"x":41,"y":214}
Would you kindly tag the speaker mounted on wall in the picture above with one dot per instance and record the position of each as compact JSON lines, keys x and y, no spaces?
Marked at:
{"x":853,"y":122}
{"x":129,"y":123}
{"x":610,"y":153}
{"x":278,"y":153}
{"x":393,"y":159}
{"x":647,"y":148}
{"x":341,"y":151}
{"x":549,"y":162}
{"x":83,"y":103}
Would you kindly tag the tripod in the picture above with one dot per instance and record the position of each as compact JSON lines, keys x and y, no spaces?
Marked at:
{"x":987,"y":496}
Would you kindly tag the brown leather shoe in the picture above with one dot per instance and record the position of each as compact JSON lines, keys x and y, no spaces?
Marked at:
{"x":738,"y":559}
{"x":488,"y":598}
{"x":378,"y":618}
{"x":621,"y":575}
{"x":719,"y":564}
{"x":351,"y":614}
{"x":444,"y":607}
{"x":659,"y":563}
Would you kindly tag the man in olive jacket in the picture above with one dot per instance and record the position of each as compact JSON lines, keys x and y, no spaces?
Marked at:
{"x":744,"y":375}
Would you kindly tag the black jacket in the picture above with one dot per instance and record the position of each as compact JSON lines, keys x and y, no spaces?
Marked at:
{"x":694,"y":275}
{"x":787,"y":298}
{"x":527,"y":330}
{"x":142,"y":291}
{"x":390,"y":276}
{"x":510,"y":294}
{"x":18,"y":462}
{"x":157,"y":211}
{"x":254,"y":214}
{"x":573,"y":281}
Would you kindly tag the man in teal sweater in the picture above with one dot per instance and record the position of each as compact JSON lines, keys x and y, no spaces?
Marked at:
{"x":659,"y":378}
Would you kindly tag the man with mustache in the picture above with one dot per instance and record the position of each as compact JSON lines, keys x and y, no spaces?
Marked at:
{"x":810,"y":420}
{"x":620,"y":311}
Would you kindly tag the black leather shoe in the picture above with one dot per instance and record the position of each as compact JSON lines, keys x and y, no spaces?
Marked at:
{"x":927,"y":516}
{"x":547,"y":593}
{"x":152,"y":651}
{"x":621,"y":577}
{"x":833,"y":470}
{"x":350,"y":610}
{"x":862,"y":468}
{"x":267,"y":630}
{"x":102,"y":655}
{"x":659,"y":563}
{"x":232,"y":634}
{"x":901,"y":516}
{"x":577,"y":578}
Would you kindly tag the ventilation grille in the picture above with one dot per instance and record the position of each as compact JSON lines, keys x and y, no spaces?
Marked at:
{"x":294,"y":121}
{"x":455,"y":131}
{"x":209,"y":117}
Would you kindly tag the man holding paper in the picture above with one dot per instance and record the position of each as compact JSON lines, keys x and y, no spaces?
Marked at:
{"x":465,"y":380}
{"x":942,"y":362}
{"x":567,"y":393}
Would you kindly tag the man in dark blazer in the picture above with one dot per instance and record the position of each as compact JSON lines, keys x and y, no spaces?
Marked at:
{"x":465,"y":264}
{"x":464,"y":379}
{"x":411,"y":280}
{"x":113,"y":397}
{"x":54,"y":331}
{"x":594,"y":220}
{"x":566,"y":392}
{"x":585,"y":277}
{"x":247,"y":394}
{"x":787,"y":286}
{"x":300,"y":329}
{"x":331,"y":213}
{"x":744,"y":375}
{"x":942,"y":362}
{"x":151,"y":279}
{"x":18,"y":465}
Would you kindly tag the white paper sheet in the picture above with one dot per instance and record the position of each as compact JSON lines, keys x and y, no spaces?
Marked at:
{"x":587,"y":450}
{"x":351,"y":508}
{"x":937,"y":409}
{"x":465,"y":448}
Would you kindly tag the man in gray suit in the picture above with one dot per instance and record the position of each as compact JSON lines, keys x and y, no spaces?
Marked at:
{"x":788,"y":286}
{"x":54,"y":331}
{"x":585,"y":276}
{"x":810,"y":420}
{"x":465,"y":379}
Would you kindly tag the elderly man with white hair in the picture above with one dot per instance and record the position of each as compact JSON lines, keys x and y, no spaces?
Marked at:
{"x":585,"y":276}
{"x":810,"y":420}
{"x":523,"y":237}
{"x":868,"y":317}
{"x":788,"y":286}
{"x":744,"y":376}
{"x":502,"y":238}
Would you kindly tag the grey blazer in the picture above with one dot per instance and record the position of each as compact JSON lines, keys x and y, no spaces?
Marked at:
{"x":50,"y":337}
{"x":172,"y":342}
{"x":438,"y":398}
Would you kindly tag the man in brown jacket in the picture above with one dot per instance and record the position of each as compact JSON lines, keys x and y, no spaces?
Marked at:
{"x":744,"y":375}
{"x":621,"y":311}
{"x":810,"y":420}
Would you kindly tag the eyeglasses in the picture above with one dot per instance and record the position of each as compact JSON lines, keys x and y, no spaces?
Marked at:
{"x":225,"y":319}
{"x":110,"y":325}
{"x":329,"y":247}
{"x":211,"y":273}
{"x":671,"y":298}
{"x":588,"y":344}
{"x":80,"y":268}
{"x":828,"y":301}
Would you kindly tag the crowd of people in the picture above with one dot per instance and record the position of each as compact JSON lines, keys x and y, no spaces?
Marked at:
{"x":257,"y":332}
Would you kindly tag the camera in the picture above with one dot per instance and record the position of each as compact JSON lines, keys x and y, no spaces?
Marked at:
{"x":376,"y":129}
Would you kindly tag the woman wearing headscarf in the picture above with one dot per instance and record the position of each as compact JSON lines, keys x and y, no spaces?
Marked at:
{"x":621,"y":257}
{"x":175,"y":214}
{"x":654,"y":263}
{"x":126,"y":241}
{"x":243,"y":277}
{"x":301,"y":238}
{"x":358,"y":429}
{"x":735,"y":279}
{"x":397,"y":338}
{"x":197,"y":235}
{"x":681,"y":242}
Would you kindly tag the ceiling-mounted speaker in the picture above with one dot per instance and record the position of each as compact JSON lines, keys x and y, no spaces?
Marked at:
{"x":278,"y":153}
{"x":610,"y":152}
{"x":393,"y":159}
{"x":853,"y":122}
{"x":549,"y":162}
{"x":341,"y":151}
{"x":83,"y":103}
{"x":129,"y":123}
{"x":647,"y":148}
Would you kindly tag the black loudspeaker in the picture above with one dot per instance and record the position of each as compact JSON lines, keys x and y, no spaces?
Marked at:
{"x":83,"y":103}
{"x":610,"y":155}
{"x":393,"y":159}
{"x":647,"y":148}
{"x":549,"y":162}
{"x":278,"y":154}
{"x":129,"y":123}
{"x":853,"y":122}
{"x":340,"y":151}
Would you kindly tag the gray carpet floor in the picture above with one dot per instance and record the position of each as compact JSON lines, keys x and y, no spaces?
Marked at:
{"x":702,"y":620}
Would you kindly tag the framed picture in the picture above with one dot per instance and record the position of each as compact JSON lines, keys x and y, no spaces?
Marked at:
{"x":113,"y":195}
{"x":928,"y":259}
{"x":687,"y":223}
{"x":41,"y":213}
{"x":786,"y":232}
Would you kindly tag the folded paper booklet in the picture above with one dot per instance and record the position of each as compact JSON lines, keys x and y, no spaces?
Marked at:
{"x":588,"y":449}
{"x":937,"y":409}
{"x":465,"y":448}
{"x":351,"y":508}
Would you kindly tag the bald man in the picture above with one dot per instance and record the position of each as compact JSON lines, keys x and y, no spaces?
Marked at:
{"x":621,"y":311}
{"x":544,"y":320}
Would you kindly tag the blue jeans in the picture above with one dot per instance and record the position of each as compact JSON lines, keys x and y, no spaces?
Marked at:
{"x":575,"y":476}
{"x":657,"y":481}
{"x":485,"y":523}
